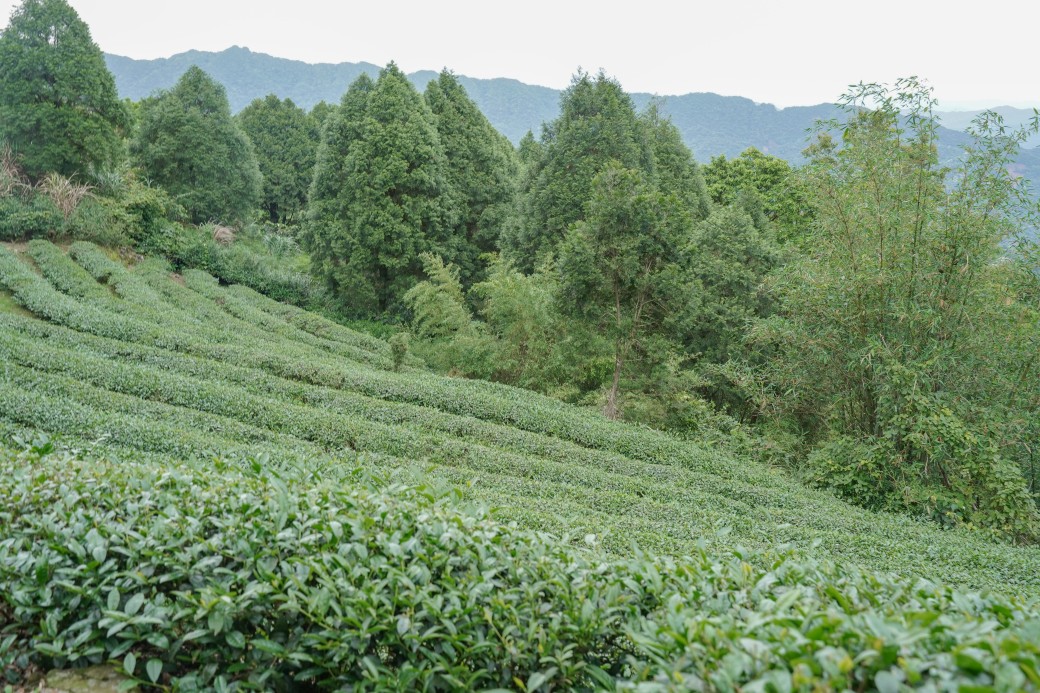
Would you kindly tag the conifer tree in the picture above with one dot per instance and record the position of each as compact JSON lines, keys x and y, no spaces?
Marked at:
{"x":674,"y":170}
{"x":483,"y":170}
{"x":283,"y":140}
{"x":59,"y":110}
{"x":597,"y":124}
{"x":623,"y":267}
{"x":381,"y":195}
{"x":189,"y":144}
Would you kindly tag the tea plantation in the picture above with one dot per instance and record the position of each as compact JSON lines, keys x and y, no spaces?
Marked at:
{"x":244,"y":494}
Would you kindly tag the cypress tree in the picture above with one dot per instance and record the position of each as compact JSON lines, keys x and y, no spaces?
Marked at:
{"x":283,"y":140}
{"x":189,"y":144}
{"x":381,"y":195}
{"x":483,"y":170}
{"x":597,"y":124}
{"x":59,"y":110}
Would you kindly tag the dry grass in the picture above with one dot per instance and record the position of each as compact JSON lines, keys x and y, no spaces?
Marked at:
{"x":65,"y":194}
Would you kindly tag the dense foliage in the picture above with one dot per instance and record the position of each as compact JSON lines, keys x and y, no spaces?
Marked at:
{"x":381,"y":195}
{"x":361,"y":583}
{"x":244,"y":493}
{"x":623,"y":267}
{"x":597,"y":124}
{"x":285,"y":139}
{"x":188,"y":143}
{"x":903,"y":343}
{"x":59,"y":111}
{"x":144,"y":364}
{"x":482,"y":168}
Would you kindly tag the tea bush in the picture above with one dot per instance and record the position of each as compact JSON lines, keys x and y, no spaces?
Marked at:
{"x":143,"y":366}
{"x":208,"y":576}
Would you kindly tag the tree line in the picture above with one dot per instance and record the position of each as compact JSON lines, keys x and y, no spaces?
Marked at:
{"x":869,"y":319}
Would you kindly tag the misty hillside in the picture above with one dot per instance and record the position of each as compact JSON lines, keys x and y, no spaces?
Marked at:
{"x":710,"y":124}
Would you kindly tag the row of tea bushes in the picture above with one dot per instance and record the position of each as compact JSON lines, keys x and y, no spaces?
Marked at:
{"x":562,"y":468}
{"x":203,"y":576}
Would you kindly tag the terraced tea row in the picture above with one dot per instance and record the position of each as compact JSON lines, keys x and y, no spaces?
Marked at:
{"x":193,"y":370}
{"x":200,"y":576}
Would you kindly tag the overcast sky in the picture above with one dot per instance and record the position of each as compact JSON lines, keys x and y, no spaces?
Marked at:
{"x":786,"y":53}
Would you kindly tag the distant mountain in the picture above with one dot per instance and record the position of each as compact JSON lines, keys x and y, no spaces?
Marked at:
{"x":1013,"y":117}
{"x":512,"y":106}
{"x":710,"y":124}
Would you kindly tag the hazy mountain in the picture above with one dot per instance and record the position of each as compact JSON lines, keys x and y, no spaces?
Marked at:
{"x":1013,"y":117}
{"x":512,"y":106}
{"x":710,"y":124}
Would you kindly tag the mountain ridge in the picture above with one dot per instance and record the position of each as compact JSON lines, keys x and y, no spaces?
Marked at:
{"x":710,"y":124}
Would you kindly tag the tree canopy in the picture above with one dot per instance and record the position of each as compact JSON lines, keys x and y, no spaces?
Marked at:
{"x":597,"y":124}
{"x":285,"y":141}
{"x":381,"y":195}
{"x":189,"y":144}
{"x":623,"y":267}
{"x":59,"y":111}
{"x":483,"y":170}
{"x":900,"y":336}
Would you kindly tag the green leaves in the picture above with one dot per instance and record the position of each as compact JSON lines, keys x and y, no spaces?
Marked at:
{"x":900,"y":330}
{"x":154,"y":669}
{"x":285,"y":141}
{"x":188,"y":143}
{"x":443,"y":596}
{"x":59,"y":110}
{"x":381,"y":196}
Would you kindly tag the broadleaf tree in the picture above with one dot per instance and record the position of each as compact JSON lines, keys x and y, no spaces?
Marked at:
{"x":899,"y":334}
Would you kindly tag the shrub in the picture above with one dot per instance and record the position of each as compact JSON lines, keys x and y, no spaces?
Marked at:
{"x":205,"y":576}
{"x":30,"y":217}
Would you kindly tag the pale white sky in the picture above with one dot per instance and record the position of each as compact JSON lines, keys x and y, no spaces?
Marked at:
{"x":787,"y":53}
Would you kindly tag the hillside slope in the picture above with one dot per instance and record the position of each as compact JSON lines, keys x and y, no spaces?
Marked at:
{"x":136,"y":363}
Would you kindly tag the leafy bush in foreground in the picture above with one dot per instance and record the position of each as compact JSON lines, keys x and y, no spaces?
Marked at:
{"x":221,"y":572}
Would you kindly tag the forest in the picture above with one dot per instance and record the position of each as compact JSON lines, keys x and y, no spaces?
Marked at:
{"x":367,"y":397}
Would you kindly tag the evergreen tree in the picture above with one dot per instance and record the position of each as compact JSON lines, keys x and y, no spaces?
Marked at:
{"x":59,"y":110}
{"x":674,"y":170}
{"x":282,"y":135}
{"x":623,"y":267}
{"x":336,"y":257}
{"x":730,"y":258}
{"x":483,"y":170}
{"x":189,"y":144}
{"x":381,"y":195}
{"x":765,"y":187}
{"x":319,"y":114}
{"x":597,"y":124}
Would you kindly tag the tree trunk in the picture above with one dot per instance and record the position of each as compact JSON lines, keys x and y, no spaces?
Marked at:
{"x":611,"y":410}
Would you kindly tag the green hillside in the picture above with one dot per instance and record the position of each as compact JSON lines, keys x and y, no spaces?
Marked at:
{"x":222,"y":388}
{"x":184,"y":368}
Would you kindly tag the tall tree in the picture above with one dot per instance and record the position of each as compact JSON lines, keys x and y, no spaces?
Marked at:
{"x":898,"y":322}
{"x":189,"y":144}
{"x":730,"y":258}
{"x":597,"y":124}
{"x":381,"y":195}
{"x":283,"y":139}
{"x":483,"y":170}
{"x":59,"y":110}
{"x":765,"y":187}
{"x":674,"y":170}
{"x":622,"y":268}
